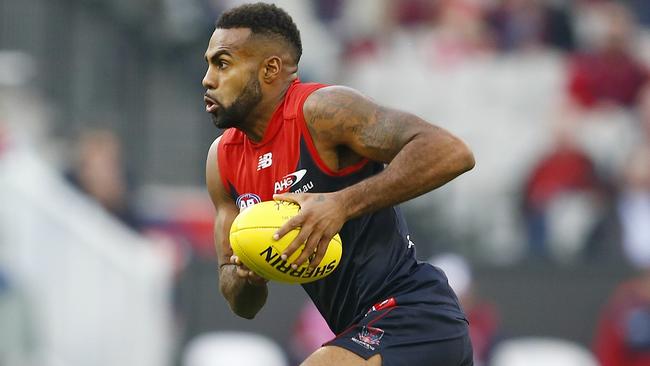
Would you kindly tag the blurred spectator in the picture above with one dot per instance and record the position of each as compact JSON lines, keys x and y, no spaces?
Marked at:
{"x":310,"y":331}
{"x":99,"y":172}
{"x":443,"y":32}
{"x":328,"y":10}
{"x":4,"y":139}
{"x":482,"y":314}
{"x":460,"y":33}
{"x":643,"y":113}
{"x":634,"y":207}
{"x":566,"y":175}
{"x":625,"y":231}
{"x":642,"y":10}
{"x":522,"y":24}
{"x":607,"y":73}
{"x":623,"y":334}
{"x":411,"y":13}
{"x":17,"y":336}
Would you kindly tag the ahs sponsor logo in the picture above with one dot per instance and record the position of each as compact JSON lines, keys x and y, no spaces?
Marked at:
{"x":247,"y":200}
{"x":368,"y":337}
{"x":288,"y":181}
{"x":272,"y":257}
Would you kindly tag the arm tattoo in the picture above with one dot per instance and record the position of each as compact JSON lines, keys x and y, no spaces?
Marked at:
{"x":341,"y":117}
{"x":384,"y":135}
{"x":327,"y":111}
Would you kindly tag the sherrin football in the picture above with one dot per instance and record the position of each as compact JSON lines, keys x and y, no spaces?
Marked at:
{"x":251,"y":239}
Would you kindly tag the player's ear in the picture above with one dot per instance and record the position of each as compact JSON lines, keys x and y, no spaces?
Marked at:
{"x":272,"y":68}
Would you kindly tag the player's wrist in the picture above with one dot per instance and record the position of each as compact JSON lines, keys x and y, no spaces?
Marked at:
{"x":346,"y":201}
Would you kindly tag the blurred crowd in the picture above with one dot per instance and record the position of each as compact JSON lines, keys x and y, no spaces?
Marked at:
{"x":553,"y":96}
{"x":577,"y":186}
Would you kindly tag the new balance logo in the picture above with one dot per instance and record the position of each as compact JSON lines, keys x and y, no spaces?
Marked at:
{"x":264,"y":161}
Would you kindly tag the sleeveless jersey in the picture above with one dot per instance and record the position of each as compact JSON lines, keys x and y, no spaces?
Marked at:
{"x":378,"y":259}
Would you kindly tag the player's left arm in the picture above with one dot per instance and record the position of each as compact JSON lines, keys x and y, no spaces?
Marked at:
{"x":420,"y":158}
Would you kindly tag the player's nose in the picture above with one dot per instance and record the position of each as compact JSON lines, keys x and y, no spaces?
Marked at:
{"x":209,"y":80}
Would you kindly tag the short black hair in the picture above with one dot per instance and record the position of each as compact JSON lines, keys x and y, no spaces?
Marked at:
{"x":264,"y":19}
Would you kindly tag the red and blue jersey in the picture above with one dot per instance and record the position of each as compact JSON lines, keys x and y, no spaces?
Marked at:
{"x":378,"y":260}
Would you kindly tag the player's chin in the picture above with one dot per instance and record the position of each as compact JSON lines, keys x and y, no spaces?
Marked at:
{"x":220,"y":122}
{"x":216,"y":121}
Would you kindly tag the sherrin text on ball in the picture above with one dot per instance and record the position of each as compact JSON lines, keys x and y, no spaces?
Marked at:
{"x":251,"y":239}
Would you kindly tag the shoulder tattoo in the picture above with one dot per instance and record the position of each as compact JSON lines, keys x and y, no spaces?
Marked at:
{"x":344,"y":116}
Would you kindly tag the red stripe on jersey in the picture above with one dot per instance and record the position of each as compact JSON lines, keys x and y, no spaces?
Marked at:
{"x":267,"y":167}
{"x":250,"y":167}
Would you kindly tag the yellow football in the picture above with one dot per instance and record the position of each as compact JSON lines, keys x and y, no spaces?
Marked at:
{"x":251,"y":239}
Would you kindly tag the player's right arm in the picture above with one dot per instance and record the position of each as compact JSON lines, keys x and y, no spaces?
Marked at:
{"x":245,"y":292}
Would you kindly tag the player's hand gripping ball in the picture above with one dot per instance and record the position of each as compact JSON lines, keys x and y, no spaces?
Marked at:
{"x":251,"y":239}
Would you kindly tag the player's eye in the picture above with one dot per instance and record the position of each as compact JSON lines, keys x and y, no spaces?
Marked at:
{"x":221,"y":64}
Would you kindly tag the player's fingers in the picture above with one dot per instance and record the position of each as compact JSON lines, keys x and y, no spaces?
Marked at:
{"x":320,"y":251}
{"x":307,"y":251}
{"x":253,"y":276}
{"x":290,"y":197}
{"x":242,"y":272}
{"x":299,"y":240}
{"x":291,"y":224}
{"x":256,"y":279}
{"x":236,"y":261}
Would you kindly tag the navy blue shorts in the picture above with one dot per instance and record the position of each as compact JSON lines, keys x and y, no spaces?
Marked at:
{"x":408,"y":335}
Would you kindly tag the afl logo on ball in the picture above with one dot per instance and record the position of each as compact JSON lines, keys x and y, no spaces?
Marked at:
{"x":247,"y":200}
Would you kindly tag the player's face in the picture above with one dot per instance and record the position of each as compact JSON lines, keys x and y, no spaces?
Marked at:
{"x":232,"y":87}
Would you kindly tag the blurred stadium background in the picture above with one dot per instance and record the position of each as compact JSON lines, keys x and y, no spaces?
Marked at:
{"x":105,"y":226}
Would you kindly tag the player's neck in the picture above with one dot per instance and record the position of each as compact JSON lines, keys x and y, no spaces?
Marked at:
{"x":260,"y":117}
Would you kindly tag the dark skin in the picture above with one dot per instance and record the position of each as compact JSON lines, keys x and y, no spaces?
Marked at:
{"x":234,"y":56}
{"x":346,"y":127}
